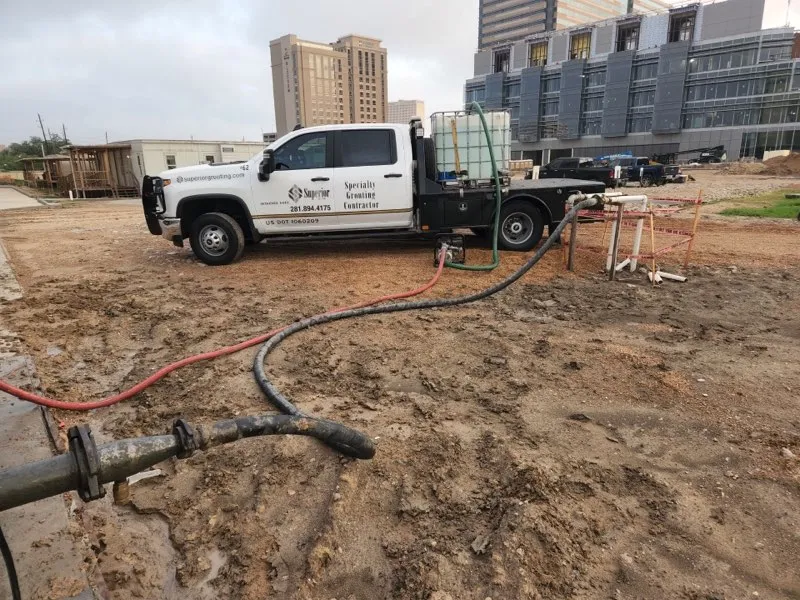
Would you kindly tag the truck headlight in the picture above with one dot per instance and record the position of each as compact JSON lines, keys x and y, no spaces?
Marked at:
{"x":166,"y":182}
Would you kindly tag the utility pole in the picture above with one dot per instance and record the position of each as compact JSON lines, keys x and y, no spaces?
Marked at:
{"x":106,"y":138}
{"x":64,"y":129}
{"x":44,"y":135}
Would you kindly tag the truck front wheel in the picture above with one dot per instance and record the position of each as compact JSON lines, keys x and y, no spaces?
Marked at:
{"x":521,"y":226}
{"x":216,"y":239}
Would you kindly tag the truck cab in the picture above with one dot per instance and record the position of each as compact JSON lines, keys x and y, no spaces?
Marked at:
{"x":336,"y":180}
{"x":581,"y":168}
{"x":641,"y":169}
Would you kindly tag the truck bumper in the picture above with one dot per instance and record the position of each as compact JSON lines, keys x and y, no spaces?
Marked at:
{"x":171,"y":230}
{"x":153,"y":202}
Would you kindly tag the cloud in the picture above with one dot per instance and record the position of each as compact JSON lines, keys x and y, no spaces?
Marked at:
{"x":180,"y":68}
{"x":201,"y":68}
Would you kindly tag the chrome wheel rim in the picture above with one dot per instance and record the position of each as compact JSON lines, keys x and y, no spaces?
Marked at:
{"x":214,"y":240}
{"x":517,"y":228}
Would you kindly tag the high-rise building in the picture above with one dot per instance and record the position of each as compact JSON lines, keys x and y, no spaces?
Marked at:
{"x":321,"y":84}
{"x":503,"y":21}
{"x":693,"y":77}
{"x":366,"y":62}
{"x":402,"y":111}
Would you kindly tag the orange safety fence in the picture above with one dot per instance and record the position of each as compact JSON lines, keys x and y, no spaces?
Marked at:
{"x":641,"y":224}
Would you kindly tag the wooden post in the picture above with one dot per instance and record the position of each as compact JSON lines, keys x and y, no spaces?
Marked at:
{"x":652,"y":249}
{"x":107,"y":171}
{"x":81,"y":164}
{"x":573,"y":240}
{"x":694,"y":229}
{"x":455,"y":147}
{"x":615,"y":246}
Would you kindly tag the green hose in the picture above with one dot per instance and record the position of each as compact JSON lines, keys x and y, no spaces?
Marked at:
{"x":498,"y":193}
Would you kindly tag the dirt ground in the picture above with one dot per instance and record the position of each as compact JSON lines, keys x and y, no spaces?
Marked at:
{"x":568,"y":438}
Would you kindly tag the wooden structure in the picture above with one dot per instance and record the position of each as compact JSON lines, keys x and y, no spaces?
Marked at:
{"x":46,"y":172}
{"x":102,"y":170}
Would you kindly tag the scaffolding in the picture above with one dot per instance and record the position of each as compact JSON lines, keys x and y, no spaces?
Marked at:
{"x":45,"y":172}
{"x":102,"y":171}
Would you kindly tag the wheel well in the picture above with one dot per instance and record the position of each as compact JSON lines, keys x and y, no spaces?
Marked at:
{"x":191,"y":208}
{"x":536,"y":202}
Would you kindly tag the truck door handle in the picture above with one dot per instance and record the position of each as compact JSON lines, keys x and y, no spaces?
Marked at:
{"x":320,"y":179}
{"x":390,"y":175}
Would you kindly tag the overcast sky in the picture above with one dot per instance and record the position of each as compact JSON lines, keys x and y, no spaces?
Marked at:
{"x":181,"y":68}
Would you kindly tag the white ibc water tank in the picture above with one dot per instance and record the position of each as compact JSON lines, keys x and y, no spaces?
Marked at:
{"x":467,"y":143}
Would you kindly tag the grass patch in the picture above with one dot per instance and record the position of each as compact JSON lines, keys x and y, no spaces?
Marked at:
{"x":772,"y":205}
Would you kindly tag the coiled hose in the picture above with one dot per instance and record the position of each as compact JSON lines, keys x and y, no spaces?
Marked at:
{"x":282,"y":403}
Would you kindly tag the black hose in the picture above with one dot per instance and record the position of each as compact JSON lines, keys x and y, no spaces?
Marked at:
{"x":120,"y":459}
{"x":283,"y":404}
{"x":352,"y":442}
{"x":10,"y":569}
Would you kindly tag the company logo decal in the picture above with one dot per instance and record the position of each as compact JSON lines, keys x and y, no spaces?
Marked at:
{"x":295,"y":193}
{"x":179,"y":179}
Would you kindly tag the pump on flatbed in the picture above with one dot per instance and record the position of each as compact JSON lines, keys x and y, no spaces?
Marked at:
{"x":340,"y":181}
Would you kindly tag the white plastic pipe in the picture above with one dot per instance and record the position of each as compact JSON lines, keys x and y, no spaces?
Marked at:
{"x":637,"y":237}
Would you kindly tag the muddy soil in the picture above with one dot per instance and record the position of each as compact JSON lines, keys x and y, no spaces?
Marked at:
{"x":568,"y":438}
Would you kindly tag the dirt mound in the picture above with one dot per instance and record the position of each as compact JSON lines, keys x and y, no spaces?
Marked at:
{"x":741,"y":168}
{"x":783,"y":166}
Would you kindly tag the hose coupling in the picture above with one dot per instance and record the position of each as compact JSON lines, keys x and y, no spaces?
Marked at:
{"x":84,"y":450}
{"x":185,"y":435}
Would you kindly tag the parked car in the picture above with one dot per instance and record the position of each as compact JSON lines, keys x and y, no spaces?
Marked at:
{"x":641,"y":169}
{"x":580,"y":168}
{"x":674,"y":174}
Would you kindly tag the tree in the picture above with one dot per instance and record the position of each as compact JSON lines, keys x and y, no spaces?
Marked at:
{"x":9,"y":158}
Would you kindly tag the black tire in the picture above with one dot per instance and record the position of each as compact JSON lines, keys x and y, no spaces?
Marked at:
{"x":646,"y":181}
{"x":216,"y":239}
{"x":430,"y":158}
{"x":521,"y":226}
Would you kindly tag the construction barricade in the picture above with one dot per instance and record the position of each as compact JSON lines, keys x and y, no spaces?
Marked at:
{"x":627,"y":225}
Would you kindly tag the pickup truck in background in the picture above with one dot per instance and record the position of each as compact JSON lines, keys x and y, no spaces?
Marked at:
{"x":674,"y":174}
{"x":342,"y":181}
{"x":580,"y":168}
{"x":641,"y":169}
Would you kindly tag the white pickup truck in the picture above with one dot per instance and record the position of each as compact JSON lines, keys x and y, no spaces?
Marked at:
{"x":341,"y":180}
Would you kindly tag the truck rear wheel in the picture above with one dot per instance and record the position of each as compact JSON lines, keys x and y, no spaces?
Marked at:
{"x":216,"y":239}
{"x":521,"y":226}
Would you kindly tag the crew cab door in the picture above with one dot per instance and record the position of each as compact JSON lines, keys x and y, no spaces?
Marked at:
{"x":298,"y":196}
{"x":550,"y":170}
{"x":569,"y":168}
{"x":373,"y":179}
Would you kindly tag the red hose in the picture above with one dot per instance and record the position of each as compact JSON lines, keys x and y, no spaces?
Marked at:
{"x":144,"y":384}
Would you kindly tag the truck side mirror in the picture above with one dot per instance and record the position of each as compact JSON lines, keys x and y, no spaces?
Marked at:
{"x":267,"y":165}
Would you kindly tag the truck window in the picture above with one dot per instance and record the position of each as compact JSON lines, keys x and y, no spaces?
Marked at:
{"x":569,"y":163}
{"x":366,"y":147}
{"x":303,"y":152}
{"x":642,"y":162}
